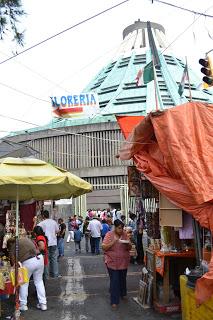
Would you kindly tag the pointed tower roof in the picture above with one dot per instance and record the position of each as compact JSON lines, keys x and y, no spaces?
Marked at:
{"x":116,"y":83}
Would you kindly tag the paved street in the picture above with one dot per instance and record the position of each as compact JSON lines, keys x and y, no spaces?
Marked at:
{"x":82,"y":293}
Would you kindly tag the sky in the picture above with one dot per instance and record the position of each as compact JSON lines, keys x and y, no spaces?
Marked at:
{"x":67,"y":63}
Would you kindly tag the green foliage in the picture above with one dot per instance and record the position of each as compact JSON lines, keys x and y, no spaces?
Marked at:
{"x":10,"y":12}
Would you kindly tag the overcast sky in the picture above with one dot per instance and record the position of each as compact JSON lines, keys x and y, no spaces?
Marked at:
{"x":68,"y":62}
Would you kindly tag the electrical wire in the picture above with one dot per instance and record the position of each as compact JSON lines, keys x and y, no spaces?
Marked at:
{"x":72,"y":133}
{"x":181,"y":8}
{"x":22,"y":92}
{"x":36,"y":72}
{"x":65,"y":30}
{"x":29,"y":95}
{"x":32,"y":96}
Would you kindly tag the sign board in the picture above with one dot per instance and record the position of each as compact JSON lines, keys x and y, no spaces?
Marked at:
{"x":75,"y":106}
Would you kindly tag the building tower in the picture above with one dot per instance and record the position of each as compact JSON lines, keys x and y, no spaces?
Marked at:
{"x":87,"y":146}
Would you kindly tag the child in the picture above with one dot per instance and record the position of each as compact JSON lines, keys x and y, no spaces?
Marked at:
{"x":77,"y":239}
{"x":41,"y":243}
{"x":133,"y":251}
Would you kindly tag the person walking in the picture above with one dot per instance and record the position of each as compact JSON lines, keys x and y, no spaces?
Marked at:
{"x":95,"y":228}
{"x":105,"y":229}
{"x":77,"y":239}
{"x":116,"y":248}
{"x":60,"y":237}
{"x":27,"y":255}
{"x":51,"y":229}
{"x":41,"y":242}
{"x":139,"y":235}
{"x":86,"y":233}
{"x":70,"y":230}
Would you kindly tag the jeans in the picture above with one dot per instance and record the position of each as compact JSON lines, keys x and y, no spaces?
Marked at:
{"x":46,"y":273}
{"x":95,"y":245}
{"x":60,"y":247}
{"x":139,"y":247}
{"x":53,"y":262}
{"x":87,"y":238}
{"x":77,"y":245}
{"x":35,"y":267}
{"x":70,"y":236}
{"x":117,"y":285}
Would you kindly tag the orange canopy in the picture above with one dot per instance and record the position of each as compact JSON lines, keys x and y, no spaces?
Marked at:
{"x":174,"y":150}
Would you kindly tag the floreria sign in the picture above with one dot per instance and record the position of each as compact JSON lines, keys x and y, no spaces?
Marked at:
{"x":76,"y":105}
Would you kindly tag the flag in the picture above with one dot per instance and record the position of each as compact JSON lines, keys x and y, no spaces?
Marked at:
{"x":183,"y":80}
{"x":138,"y":77}
{"x":148,"y":73}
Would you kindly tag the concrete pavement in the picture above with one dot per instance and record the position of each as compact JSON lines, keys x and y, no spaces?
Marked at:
{"x":83,"y":293}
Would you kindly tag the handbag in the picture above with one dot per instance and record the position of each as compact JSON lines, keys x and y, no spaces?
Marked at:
{"x":22,"y":275}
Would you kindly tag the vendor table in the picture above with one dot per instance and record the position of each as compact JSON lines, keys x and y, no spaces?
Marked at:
{"x":160,"y":262}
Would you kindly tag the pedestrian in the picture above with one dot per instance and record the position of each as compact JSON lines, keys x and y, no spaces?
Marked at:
{"x":133,"y":224}
{"x":77,"y":239}
{"x":95,"y":228}
{"x":41,"y":242}
{"x":116,"y":248}
{"x":51,"y":229}
{"x":109,"y":221}
{"x":105,"y":229}
{"x":133,"y":251}
{"x":70,"y":230}
{"x":123,"y":219}
{"x":139,"y":237}
{"x":60,"y":237}
{"x":34,"y":263}
{"x":86,"y":233}
{"x":116,"y":214}
{"x":75,"y":223}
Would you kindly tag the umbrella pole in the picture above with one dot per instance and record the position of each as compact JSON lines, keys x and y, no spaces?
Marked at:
{"x":17,"y":311}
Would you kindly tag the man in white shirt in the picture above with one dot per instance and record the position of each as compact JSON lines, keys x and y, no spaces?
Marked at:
{"x":95,"y":228}
{"x":116,"y":215}
{"x":51,"y":228}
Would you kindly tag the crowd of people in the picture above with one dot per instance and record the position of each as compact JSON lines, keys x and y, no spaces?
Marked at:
{"x":121,"y":244}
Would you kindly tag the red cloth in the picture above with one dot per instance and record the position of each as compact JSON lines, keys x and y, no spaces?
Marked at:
{"x":27,"y":212}
{"x":118,"y":256}
{"x":42,"y":238}
{"x":127,"y":123}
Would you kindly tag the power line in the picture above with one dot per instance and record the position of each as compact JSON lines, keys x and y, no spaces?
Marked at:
{"x":71,"y":133}
{"x":63,"y":31}
{"x":22,"y":92}
{"x":181,"y":8}
{"x":32,"y":96}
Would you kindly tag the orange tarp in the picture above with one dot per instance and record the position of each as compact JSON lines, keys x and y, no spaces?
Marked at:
{"x":174,"y":150}
{"x":127,"y":123}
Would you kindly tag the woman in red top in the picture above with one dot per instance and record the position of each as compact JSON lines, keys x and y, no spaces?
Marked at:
{"x":42,"y":245}
{"x":116,"y":248}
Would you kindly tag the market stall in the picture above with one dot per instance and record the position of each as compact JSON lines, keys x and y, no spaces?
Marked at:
{"x":176,"y":158}
{"x":27,"y":178}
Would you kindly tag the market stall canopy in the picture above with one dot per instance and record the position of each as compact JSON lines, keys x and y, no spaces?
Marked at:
{"x":174,"y":150}
{"x":38,"y":180}
{"x":127,"y":123}
{"x":15,"y":149}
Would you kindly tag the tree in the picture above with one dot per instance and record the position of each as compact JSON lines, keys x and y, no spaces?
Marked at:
{"x":10,"y":12}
